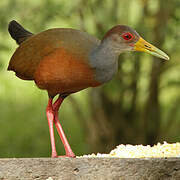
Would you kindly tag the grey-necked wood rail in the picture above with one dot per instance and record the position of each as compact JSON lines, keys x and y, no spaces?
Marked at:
{"x":64,"y":61}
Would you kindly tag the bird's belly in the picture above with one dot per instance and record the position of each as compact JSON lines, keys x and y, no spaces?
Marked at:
{"x":64,"y":73}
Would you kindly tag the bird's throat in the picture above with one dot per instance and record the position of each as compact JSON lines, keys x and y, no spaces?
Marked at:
{"x":104,"y":61}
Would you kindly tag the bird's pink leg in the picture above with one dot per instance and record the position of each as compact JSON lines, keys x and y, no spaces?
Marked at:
{"x":50,"y":117}
{"x":56,"y":106}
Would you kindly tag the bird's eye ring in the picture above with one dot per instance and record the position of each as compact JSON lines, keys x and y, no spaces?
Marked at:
{"x":127,"y":36}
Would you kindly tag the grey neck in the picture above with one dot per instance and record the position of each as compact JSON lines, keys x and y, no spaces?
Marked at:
{"x":104,"y":59}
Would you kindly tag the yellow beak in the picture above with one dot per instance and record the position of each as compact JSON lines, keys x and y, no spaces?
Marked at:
{"x":142,"y":45}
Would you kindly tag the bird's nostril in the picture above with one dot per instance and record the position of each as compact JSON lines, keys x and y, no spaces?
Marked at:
{"x":147,"y":46}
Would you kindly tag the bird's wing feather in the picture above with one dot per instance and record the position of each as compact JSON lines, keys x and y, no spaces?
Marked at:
{"x":31,"y":52}
{"x":64,"y":72}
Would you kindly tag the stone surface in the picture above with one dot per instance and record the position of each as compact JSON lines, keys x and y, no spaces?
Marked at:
{"x":90,"y":168}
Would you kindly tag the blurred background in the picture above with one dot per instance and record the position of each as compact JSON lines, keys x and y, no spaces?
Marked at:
{"x":141,"y":105}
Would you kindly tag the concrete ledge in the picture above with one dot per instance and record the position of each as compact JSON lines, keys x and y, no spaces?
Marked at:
{"x":90,"y":168}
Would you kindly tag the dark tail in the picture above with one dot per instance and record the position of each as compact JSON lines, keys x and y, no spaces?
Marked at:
{"x":17,"y":32}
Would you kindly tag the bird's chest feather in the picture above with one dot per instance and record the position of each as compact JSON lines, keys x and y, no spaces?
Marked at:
{"x":65,"y":72}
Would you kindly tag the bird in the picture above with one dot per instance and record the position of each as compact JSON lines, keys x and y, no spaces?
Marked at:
{"x":63,"y":61}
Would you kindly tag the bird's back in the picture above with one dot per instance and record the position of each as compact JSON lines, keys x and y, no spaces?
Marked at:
{"x":32,"y":51}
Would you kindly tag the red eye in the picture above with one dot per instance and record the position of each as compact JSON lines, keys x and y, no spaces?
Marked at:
{"x":127,"y":36}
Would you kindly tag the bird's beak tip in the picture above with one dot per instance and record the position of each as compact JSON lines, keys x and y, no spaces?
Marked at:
{"x":142,"y":45}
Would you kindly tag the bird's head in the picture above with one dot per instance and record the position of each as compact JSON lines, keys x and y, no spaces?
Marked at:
{"x":124,"y":38}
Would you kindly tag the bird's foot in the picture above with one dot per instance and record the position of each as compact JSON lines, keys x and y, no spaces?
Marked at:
{"x":69,"y":156}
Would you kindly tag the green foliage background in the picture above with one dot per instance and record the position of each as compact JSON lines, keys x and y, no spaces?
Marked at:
{"x":23,"y":124}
